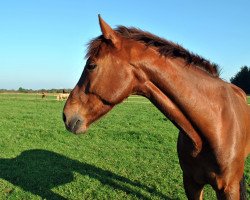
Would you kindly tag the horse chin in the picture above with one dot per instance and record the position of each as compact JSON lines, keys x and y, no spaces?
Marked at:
{"x":81,"y":130}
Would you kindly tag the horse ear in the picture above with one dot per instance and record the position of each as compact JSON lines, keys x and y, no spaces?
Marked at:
{"x":109,"y":33}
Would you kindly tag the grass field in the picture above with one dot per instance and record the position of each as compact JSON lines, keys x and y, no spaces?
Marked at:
{"x":129,"y":154}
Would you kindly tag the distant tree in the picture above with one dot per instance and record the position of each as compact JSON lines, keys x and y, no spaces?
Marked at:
{"x":242,"y":79}
{"x":21,"y":89}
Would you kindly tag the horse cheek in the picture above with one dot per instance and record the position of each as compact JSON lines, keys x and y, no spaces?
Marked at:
{"x":112,"y":84}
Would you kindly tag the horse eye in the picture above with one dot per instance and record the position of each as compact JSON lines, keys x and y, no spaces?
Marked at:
{"x":91,"y":66}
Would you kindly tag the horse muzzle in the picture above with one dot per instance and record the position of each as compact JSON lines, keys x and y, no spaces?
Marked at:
{"x":74,"y":124}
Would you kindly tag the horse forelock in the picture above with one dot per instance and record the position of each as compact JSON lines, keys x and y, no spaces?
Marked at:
{"x":94,"y":46}
{"x":163,"y":46}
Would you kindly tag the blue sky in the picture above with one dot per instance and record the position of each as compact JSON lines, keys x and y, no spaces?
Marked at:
{"x":43,"y":42}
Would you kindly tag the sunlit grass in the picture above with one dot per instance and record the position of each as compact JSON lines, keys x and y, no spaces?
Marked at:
{"x":129,"y":154}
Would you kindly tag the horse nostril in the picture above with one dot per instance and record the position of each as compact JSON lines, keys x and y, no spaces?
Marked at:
{"x":64,"y":118}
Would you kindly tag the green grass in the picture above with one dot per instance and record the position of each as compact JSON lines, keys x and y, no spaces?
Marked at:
{"x":129,"y":154}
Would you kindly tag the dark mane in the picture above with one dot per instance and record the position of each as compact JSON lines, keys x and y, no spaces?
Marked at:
{"x":164,"y":47}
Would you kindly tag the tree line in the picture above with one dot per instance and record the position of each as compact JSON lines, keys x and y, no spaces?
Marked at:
{"x":23,"y":90}
{"x":242,"y":79}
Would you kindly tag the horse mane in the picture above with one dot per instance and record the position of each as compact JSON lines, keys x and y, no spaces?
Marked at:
{"x":163,"y":46}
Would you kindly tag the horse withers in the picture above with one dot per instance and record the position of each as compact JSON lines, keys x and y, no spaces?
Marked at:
{"x":211,"y":114}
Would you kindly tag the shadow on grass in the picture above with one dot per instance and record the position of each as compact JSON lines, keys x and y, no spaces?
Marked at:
{"x":38,"y":171}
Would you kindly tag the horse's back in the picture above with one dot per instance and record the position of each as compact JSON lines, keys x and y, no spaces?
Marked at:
{"x":238,"y":91}
{"x":247,"y":151}
{"x":243,"y":115}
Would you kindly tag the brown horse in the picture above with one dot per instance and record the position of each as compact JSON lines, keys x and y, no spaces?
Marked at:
{"x":43,"y":95}
{"x":62,"y":96}
{"x":211,"y":114}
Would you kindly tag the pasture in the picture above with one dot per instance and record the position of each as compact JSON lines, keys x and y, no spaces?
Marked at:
{"x":129,"y":154}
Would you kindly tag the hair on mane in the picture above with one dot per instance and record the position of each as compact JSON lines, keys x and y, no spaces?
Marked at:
{"x":164,"y":47}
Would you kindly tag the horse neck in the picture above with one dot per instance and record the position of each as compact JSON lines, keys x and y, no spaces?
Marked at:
{"x":176,"y":90}
{"x":172,"y":79}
